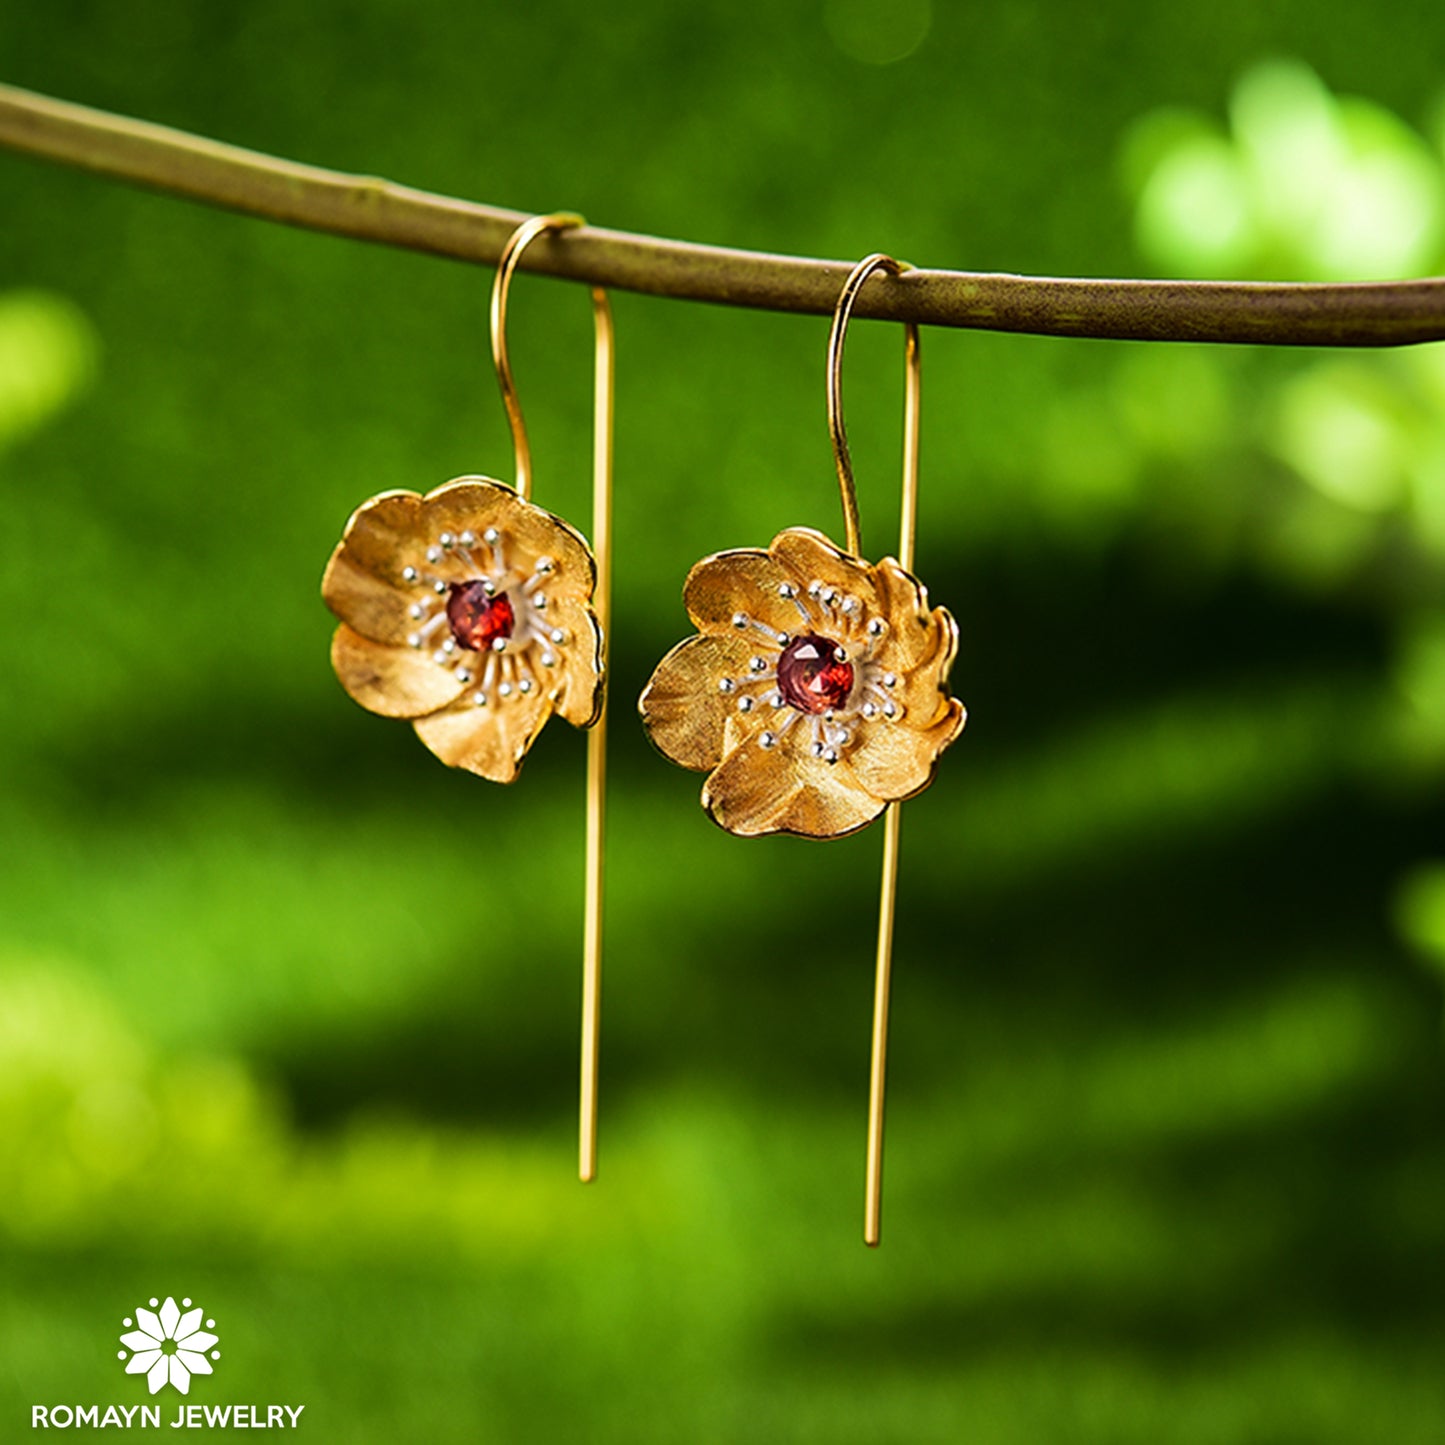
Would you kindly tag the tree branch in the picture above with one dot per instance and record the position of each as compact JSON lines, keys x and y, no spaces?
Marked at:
{"x":365,"y":208}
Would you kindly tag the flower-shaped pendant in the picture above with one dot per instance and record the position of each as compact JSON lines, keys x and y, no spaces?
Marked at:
{"x":816,"y":692}
{"x":468,"y":612}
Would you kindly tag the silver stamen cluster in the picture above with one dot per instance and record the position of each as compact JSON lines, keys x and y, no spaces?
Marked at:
{"x":842,"y":620}
{"x":509,"y":669}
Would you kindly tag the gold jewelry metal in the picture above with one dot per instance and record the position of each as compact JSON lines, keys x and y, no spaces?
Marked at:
{"x":476,"y":615}
{"x":815,"y":693}
{"x":893,"y":817}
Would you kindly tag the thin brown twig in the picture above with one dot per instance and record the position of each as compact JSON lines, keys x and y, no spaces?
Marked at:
{"x":365,"y":208}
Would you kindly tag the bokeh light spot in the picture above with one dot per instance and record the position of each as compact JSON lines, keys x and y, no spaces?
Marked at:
{"x":1341,"y":440}
{"x":878,"y":32}
{"x":1193,"y":210}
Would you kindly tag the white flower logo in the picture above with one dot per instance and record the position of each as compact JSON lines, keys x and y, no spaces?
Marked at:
{"x":169,"y":1347}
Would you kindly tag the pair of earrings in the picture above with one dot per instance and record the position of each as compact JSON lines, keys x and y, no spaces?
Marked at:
{"x":814,"y":694}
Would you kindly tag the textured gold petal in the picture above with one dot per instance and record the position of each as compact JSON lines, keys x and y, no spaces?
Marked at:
{"x":370,"y":605}
{"x":828,"y":805}
{"x":529,"y":532}
{"x":891,"y":760}
{"x":577,"y":677}
{"x":744,"y":580}
{"x":923,"y":688}
{"x":466,"y":504}
{"x":684,"y":713}
{"x":810,"y":557}
{"x":540,"y":533}
{"x":784,"y":789}
{"x":381,"y":527}
{"x":392,"y":681}
{"x":490,"y":741}
{"x":903,"y":602}
{"x":749,"y":789}
{"x":362,"y":584}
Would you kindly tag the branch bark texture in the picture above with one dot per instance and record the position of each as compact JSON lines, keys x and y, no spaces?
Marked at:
{"x":366,"y":208}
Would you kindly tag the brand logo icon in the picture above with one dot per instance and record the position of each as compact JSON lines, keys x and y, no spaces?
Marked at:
{"x":168,"y":1346}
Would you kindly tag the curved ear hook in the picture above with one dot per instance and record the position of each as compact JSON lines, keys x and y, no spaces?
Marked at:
{"x":913,"y":375}
{"x":518,"y":242}
{"x":526,"y":233}
{"x":907,"y":526}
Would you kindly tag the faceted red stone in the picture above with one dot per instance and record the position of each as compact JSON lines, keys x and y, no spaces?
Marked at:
{"x":476,"y":618}
{"x":810,"y":675}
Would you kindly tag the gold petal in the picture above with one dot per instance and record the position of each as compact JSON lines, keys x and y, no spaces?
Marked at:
{"x":540,"y":533}
{"x":576,"y":680}
{"x":749,"y":789}
{"x":903,"y":602}
{"x":382,"y":526}
{"x":528,"y":532}
{"x":892,"y":760}
{"x":923,"y":689}
{"x":684,"y":713}
{"x":362,"y":584}
{"x":466,"y":504}
{"x":392,"y":681}
{"x":810,"y":557}
{"x":828,"y":805}
{"x":371,"y":606}
{"x":744,"y":580}
{"x":490,"y":741}
{"x":785,"y":789}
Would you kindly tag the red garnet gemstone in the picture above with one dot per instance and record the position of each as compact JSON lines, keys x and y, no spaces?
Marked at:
{"x":477,"y":618}
{"x":811,"y":676}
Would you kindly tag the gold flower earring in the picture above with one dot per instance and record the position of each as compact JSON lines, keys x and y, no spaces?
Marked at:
{"x":476,"y":615}
{"x":815,"y":695}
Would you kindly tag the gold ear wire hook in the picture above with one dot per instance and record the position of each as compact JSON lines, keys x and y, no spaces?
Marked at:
{"x":527,"y":232}
{"x":518,"y":242}
{"x":907,"y":527}
{"x":838,"y":431}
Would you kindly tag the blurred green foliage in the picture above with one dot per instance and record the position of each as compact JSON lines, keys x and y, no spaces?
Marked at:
{"x":1306,"y":186}
{"x":47,"y":356}
{"x":287,"y":1012}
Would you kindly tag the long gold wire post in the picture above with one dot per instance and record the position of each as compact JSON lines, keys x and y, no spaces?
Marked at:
{"x":878,"y":1062}
{"x":519,"y":240}
{"x":527,"y":232}
{"x":892,"y":823}
{"x":597,"y":741}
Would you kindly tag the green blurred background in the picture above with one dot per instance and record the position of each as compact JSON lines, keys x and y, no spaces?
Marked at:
{"x":288,"y":1012}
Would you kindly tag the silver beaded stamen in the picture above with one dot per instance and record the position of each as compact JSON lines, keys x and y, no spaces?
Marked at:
{"x":511,"y":666}
{"x":843,"y":619}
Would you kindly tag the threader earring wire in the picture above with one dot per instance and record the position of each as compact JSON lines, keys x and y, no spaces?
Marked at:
{"x":603,"y":369}
{"x":476,"y":616}
{"x":892,"y":818}
{"x":815,"y":692}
